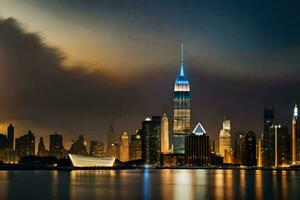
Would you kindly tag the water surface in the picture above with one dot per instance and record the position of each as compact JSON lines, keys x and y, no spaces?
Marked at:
{"x":149,"y":184}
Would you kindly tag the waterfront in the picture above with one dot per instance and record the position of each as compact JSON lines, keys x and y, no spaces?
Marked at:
{"x":149,"y":184}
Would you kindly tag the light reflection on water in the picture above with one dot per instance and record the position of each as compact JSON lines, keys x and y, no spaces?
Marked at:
{"x":149,"y":184}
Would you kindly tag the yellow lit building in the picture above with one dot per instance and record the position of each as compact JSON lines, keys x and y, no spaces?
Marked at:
{"x":164,"y":140}
{"x":124,"y":150}
{"x":225,"y":142}
{"x":91,"y":161}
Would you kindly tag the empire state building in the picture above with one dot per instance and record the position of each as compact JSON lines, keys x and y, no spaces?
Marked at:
{"x":182,"y":114}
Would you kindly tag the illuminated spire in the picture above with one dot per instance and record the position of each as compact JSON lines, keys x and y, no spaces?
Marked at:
{"x":295,"y":111}
{"x":181,"y":62}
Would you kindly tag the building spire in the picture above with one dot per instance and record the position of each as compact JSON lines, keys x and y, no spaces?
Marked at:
{"x":181,"y":61}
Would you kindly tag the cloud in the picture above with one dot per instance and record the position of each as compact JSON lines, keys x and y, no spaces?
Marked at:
{"x":36,"y":86}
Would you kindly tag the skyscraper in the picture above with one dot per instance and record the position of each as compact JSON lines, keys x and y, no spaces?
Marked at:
{"x":110,"y":141}
{"x":25,"y":145}
{"x":246,"y":149}
{"x":42,"y":149}
{"x":294,"y":135}
{"x":151,"y":140}
{"x":79,"y":147}
{"x":10,"y":136}
{"x":115,"y":150}
{"x":56,"y":146}
{"x":124,"y":153}
{"x":96,"y":148}
{"x":182,"y":114}
{"x":3,"y":141}
{"x":279,"y":145}
{"x":197,"y":150}
{"x":265,"y":139}
{"x":3,"y":147}
{"x":164,"y":134}
{"x":225,"y":142}
{"x":259,"y":163}
{"x":237,"y":147}
{"x":135,"y":146}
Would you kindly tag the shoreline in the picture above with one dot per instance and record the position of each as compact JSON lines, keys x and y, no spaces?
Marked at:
{"x":12,"y":167}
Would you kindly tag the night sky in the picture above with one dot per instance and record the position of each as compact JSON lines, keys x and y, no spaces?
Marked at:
{"x":76,"y":66}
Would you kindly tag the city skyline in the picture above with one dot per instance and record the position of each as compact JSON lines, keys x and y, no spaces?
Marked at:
{"x":177,"y":88}
{"x":143,"y":99}
{"x":216,"y":94}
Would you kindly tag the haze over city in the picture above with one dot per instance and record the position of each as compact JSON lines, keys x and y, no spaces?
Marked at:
{"x":84,"y":65}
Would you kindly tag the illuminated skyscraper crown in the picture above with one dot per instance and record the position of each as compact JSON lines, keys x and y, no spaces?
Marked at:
{"x":181,"y":83}
{"x":199,"y":130}
{"x":295,"y":111}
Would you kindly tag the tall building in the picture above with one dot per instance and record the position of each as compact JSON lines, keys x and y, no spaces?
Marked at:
{"x":279,"y":145}
{"x":197,"y":150}
{"x":7,"y":152}
{"x":96,"y":148}
{"x":165,"y":143}
{"x":3,"y":147}
{"x":25,"y":145}
{"x":225,"y":148}
{"x":115,"y":150}
{"x":237,"y":147}
{"x":135,"y":146}
{"x":56,"y":146}
{"x":258,"y":153}
{"x":10,"y":136}
{"x":110,"y":141}
{"x":294,"y":135}
{"x":265,"y":139}
{"x":247,"y":149}
{"x":182,"y":111}
{"x":3,"y":141}
{"x":124,"y":153}
{"x":78,"y":147}
{"x":151,"y":140}
{"x":42,"y":149}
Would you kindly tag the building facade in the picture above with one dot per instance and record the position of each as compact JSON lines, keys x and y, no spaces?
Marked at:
{"x":111,"y":139}
{"x":97,"y":148}
{"x":78,"y":147}
{"x":25,"y":145}
{"x":225,"y":148}
{"x":135,"y":146}
{"x":279,"y":145}
{"x":10,"y":136}
{"x":165,"y":143}
{"x":151,"y":140}
{"x":247,"y":149}
{"x":3,"y":141}
{"x":182,"y":111}
{"x":124,"y":153}
{"x":42,"y":152}
{"x":92,"y":161}
{"x":56,"y":147}
{"x":265,"y":139}
{"x":197,"y":148}
{"x":115,"y":150}
{"x":237,"y":147}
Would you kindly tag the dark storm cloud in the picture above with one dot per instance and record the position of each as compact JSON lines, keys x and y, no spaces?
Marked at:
{"x":35,"y":85}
